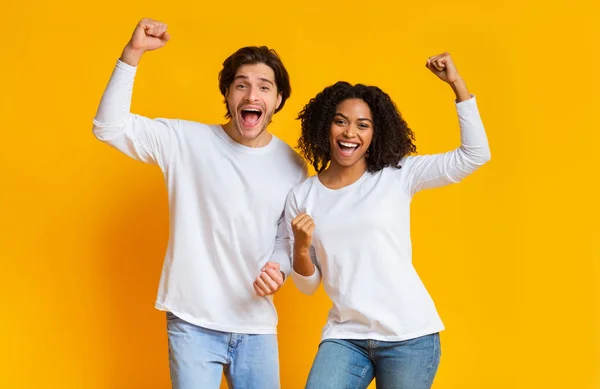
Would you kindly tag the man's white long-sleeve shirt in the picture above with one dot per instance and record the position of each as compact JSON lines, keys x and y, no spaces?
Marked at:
{"x":226,"y":206}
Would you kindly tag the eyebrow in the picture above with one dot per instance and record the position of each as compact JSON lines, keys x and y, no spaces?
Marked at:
{"x":260,"y":78}
{"x":344,"y":116}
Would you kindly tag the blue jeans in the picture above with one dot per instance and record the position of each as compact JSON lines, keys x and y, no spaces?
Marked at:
{"x":352,"y":364}
{"x":198,"y":357}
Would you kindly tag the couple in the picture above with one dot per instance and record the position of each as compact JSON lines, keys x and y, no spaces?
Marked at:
{"x":243,"y":217}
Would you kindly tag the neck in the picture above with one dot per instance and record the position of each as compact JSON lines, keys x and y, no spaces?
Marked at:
{"x":263,"y":139}
{"x":337,"y":176}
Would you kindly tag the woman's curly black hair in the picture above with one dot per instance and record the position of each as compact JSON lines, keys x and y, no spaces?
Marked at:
{"x":392,"y":139}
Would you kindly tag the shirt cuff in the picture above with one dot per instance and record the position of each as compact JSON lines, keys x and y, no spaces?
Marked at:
{"x":126,"y":67}
{"x":468,"y":102}
{"x":307,"y":284}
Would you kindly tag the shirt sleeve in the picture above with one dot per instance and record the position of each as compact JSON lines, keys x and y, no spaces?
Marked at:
{"x":281,"y":253}
{"x":431,"y":171}
{"x":141,"y":138}
{"x":306,"y":284}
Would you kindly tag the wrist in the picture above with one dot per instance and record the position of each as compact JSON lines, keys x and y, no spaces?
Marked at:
{"x":302,"y":251}
{"x":131,"y":56}
{"x":459,"y":87}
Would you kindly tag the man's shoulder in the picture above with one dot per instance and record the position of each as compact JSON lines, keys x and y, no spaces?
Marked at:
{"x":192,"y":125}
{"x":290,"y":156}
{"x":194,"y":131}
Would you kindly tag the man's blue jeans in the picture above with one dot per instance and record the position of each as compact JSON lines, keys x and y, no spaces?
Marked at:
{"x":198,"y":357}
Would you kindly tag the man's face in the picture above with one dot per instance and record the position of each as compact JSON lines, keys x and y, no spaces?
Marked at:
{"x":252,"y":99}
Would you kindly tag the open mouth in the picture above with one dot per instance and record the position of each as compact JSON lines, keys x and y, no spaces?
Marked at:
{"x":251,"y":116}
{"x":347,"y":148}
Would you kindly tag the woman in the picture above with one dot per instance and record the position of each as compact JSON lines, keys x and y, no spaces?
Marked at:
{"x":350,"y":226}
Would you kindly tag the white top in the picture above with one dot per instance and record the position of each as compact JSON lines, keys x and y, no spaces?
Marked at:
{"x":226,"y":205}
{"x":361,"y":243}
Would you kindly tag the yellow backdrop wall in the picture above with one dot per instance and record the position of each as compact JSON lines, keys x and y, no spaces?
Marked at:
{"x":510,"y":255}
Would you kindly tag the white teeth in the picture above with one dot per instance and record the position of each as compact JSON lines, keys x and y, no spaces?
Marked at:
{"x":251,"y":110}
{"x":348,"y":144}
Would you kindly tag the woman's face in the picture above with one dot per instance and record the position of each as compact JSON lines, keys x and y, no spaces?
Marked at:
{"x":351,"y":132}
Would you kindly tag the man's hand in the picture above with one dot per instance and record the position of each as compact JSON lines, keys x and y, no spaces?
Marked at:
{"x":148,"y":35}
{"x":269,"y":281}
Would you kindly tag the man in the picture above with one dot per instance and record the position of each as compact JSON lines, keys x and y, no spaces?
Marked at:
{"x":228,"y":250}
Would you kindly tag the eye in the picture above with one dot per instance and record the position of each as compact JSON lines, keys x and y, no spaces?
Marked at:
{"x":339,"y":122}
{"x":241,"y":86}
{"x":364,"y":125}
{"x":265,"y":88}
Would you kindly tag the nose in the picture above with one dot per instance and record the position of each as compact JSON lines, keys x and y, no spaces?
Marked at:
{"x":350,"y":131}
{"x":252,"y":94}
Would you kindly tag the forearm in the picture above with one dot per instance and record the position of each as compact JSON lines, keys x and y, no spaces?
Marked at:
{"x":281,"y":255}
{"x":115,"y":104}
{"x":474,"y":142}
{"x":460,"y":90}
{"x":306,"y":275}
{"x":303,"y":264}
{"x":432,"y":171}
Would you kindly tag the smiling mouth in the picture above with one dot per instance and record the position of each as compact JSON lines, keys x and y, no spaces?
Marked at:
{"x":251,"y":116}
{"x":347,"y":148}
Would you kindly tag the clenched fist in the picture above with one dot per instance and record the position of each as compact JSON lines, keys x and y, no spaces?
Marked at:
{"x":269,"y":281}
{"x":303,"y":227}
{"x":148,"y":35}
{"x":442,"y":66}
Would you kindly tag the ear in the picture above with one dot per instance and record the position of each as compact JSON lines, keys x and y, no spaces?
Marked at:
{"x":279,"y":99}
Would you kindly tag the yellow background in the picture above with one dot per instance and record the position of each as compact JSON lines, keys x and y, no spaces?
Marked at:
{"x":510,"y":255}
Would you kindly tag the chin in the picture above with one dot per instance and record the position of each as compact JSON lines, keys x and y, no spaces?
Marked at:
{"x":251,"y":134}
{"x":346,"y":163}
